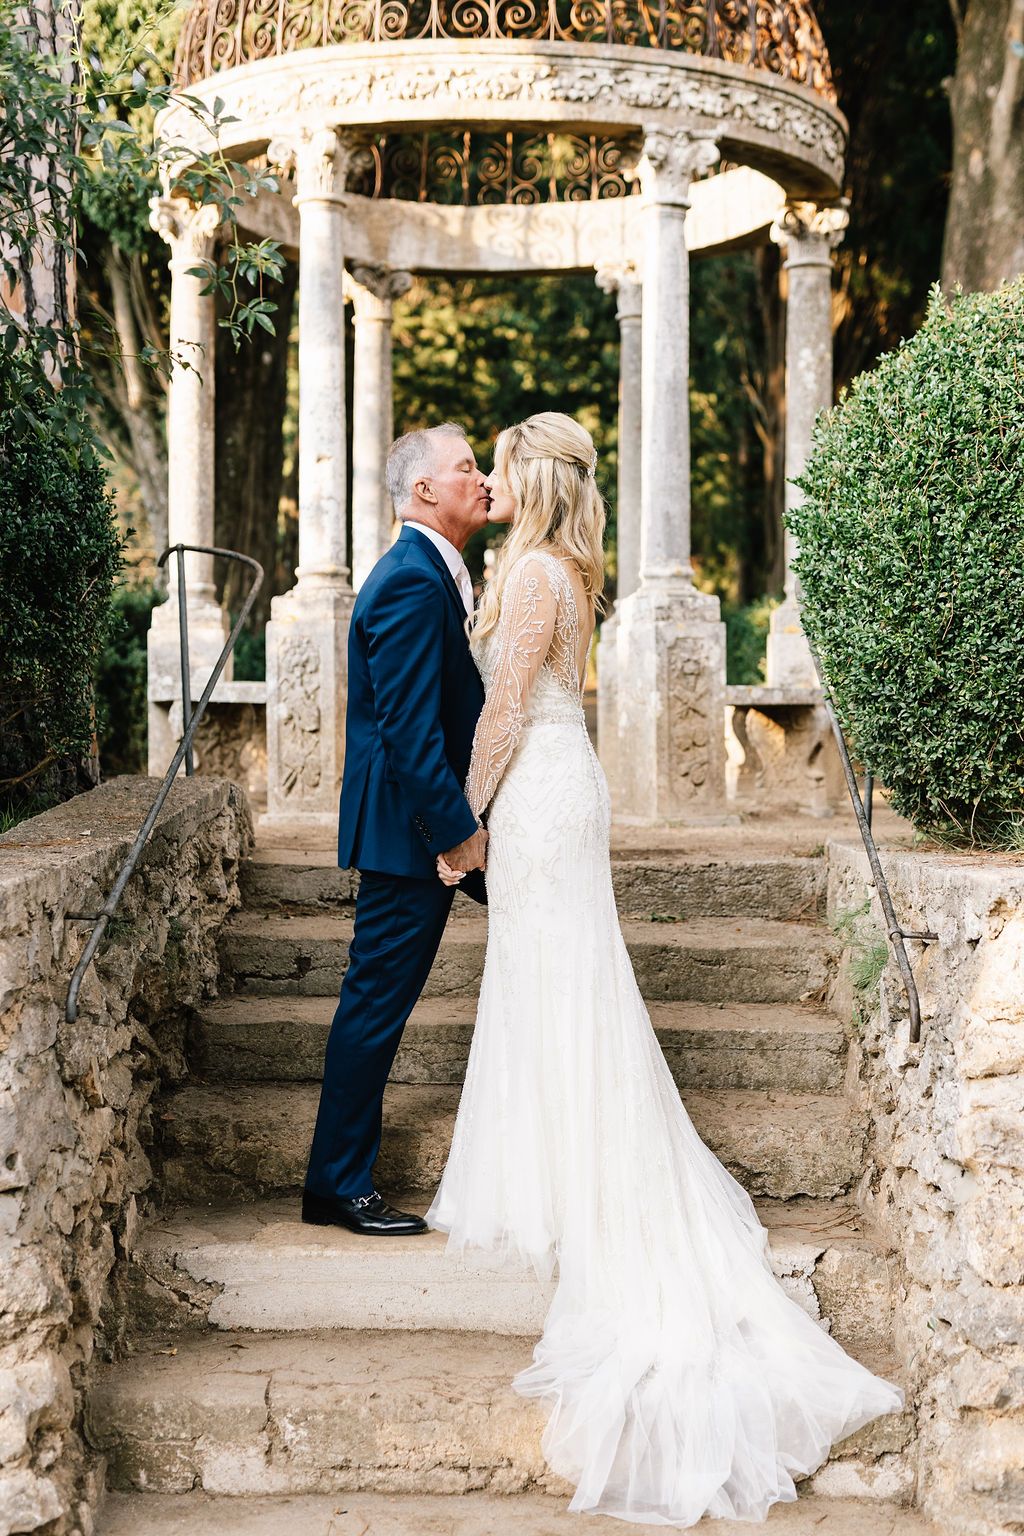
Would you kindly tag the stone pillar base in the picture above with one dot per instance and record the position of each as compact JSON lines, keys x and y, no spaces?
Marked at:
{"x":307,"y":693}
{"x":671,"y":707}
{"x":789,"y":663}
{"x":608,"y":700}
{"x":208,"y":628}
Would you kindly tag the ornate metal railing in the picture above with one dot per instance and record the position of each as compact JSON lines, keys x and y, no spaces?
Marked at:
{"x":190,"y":720}
{"x":455,"y":165}
{"x":862,"y":805}
{"x":779,"y":36}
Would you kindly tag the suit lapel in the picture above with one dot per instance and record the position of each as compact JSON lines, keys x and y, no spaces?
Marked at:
{"x":435,"y":556}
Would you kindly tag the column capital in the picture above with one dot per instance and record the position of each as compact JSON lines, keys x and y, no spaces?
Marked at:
{"x":373,"y":290}
{"x":810,"y":232}
{"x":321,"y":159}
{"x":190,"y":232}
{"x":622,"y":278}
{"x":671,"y":158}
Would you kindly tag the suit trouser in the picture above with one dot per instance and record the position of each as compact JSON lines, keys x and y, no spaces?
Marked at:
{"x":398,"y":928}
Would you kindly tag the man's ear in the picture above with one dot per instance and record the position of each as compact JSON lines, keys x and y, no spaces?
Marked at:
{"x":424,"y":489}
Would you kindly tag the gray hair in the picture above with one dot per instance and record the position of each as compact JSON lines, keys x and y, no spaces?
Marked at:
{"x":409,"y":456}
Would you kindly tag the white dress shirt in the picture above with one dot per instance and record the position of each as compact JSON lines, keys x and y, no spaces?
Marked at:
{"x":452,"y":559}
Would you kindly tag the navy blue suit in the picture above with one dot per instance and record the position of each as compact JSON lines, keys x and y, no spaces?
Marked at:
{"x":414,"y":696}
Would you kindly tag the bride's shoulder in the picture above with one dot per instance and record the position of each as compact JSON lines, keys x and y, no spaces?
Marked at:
{"x":539,"y":565}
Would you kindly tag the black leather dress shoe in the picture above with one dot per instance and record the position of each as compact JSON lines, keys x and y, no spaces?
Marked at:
{"x":369,"y":1215}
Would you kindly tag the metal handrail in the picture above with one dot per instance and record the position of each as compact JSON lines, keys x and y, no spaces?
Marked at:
{"x":190,"y":720}
{"x":862,"y":810}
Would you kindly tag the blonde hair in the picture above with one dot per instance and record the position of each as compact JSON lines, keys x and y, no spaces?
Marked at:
{"x":548,"y":463}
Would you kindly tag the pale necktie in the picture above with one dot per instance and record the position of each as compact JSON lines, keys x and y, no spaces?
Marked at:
{"x":465,"y":585}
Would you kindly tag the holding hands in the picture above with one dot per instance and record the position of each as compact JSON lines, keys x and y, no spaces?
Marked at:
{"x":454,"y":865}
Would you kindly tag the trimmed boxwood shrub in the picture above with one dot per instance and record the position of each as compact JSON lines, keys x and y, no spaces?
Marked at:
{"x":60,"y":552}
{"x":911,"y":562}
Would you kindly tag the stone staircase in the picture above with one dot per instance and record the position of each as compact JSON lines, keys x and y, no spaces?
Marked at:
{"x":364,"y":1384}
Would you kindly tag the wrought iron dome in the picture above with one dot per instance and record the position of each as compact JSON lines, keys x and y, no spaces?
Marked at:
{"x":781,"y":37}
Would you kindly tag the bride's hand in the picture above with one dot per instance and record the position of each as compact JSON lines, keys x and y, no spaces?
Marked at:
{"x":447,"y":875}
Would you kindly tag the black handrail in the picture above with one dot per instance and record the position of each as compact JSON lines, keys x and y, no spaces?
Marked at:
{"x":190,"y":719}
{"x":862,"y":810}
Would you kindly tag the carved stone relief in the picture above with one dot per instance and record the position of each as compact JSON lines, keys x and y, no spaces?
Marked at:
{"x":298,"y":707}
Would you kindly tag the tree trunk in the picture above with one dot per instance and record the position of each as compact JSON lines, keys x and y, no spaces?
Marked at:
{"x":984,"y":243}
{"x":148,"y":449}
{"x":252,"y":385}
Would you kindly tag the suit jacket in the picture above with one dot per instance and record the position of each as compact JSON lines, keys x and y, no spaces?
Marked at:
{"x":414,"y":696}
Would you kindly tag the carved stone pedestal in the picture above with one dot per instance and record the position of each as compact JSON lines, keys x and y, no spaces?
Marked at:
{"x":607,"y":664}
{"x":307,"y":693}
{"x":670,"y":757}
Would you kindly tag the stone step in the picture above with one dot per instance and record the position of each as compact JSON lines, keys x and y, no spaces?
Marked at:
{"x":244,"y":1141}
{"x":391,"y":1413}
{"x":282,"y":1038}
{"x":748,"y":960}
{"x":258,"y":1267}
{"x":783,"y":887}
{"x":467,"y":1514}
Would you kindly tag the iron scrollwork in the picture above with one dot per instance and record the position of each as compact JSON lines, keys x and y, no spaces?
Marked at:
{"x":781,"y":37}
{"x":463,"y":166}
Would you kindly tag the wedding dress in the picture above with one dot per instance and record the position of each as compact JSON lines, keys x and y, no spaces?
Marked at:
{"x":682,"y":1380}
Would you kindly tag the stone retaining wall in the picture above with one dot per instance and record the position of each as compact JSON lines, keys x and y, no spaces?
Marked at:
{"x":945,"y":1179}
{"x":75,"y":1099}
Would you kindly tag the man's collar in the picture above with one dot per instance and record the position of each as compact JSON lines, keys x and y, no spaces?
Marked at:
{"x":445,"y":547}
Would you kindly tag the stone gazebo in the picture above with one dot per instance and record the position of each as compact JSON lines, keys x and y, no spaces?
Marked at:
{"x":524,"y":136}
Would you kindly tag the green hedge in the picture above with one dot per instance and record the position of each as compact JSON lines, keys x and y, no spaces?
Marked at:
{"x":911,"y":561}
{"x":60,"y":552}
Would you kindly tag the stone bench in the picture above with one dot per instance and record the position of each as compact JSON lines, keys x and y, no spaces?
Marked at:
{"x":782,"y":753}
{"x":231,"y":741}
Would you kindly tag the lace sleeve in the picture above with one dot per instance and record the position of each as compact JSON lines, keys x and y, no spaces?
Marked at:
{"x":523,"y":639}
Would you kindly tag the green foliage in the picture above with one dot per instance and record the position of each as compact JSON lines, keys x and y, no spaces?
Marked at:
{"x":251,"y":656}
{"x":488,"y":351}
{"x":911,"y":559}
{"x":746,"y":639}
{"x":59,"y":555}
{"x":121,"y":682}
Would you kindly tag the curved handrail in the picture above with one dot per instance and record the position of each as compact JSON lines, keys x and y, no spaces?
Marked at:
{"x":862,"y":810}
{"x":190,"y":720}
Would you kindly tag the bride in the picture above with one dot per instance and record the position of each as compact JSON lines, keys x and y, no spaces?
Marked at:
{"x":681,"y":1379}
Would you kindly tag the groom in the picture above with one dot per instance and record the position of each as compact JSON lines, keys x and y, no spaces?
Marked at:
{"x":414,"y":696}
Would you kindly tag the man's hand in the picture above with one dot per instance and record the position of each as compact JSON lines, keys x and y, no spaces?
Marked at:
{"x":472,"y":854}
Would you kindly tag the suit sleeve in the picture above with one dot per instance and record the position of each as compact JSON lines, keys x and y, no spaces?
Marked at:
{"x":405,"y":646}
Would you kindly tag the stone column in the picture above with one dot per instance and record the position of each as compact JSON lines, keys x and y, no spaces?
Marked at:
{"x":307,"y":636}
{"x":671,"y":642}
{"x":373,"y":291}
{"x":622,"y":279}
{"x":191,"y":235}
{"x":808,"y":235}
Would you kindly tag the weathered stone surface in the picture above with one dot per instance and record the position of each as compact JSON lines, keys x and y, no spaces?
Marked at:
{"x":75,"y":1099}
{"x":783,"y":886}
{"x":406,"y":1412}
{"x":246,"y":1141}
{"x":744,"y":960}
{"x":945,"y":1163}
{"x":473,"y":1514}
{"x":282,"y":1038}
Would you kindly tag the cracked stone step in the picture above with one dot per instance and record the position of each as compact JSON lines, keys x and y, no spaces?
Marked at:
{"x":394,"y":1413}
{"x":245,"y":1141}
{"x":257,"y":1267}
{"x":747,"y":960}
{"x":468,"y":1514}
{"x":783,"y":887}
{"x":751,"y":1045}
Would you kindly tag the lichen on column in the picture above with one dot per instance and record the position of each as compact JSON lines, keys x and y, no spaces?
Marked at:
{"x":808,"y":235}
